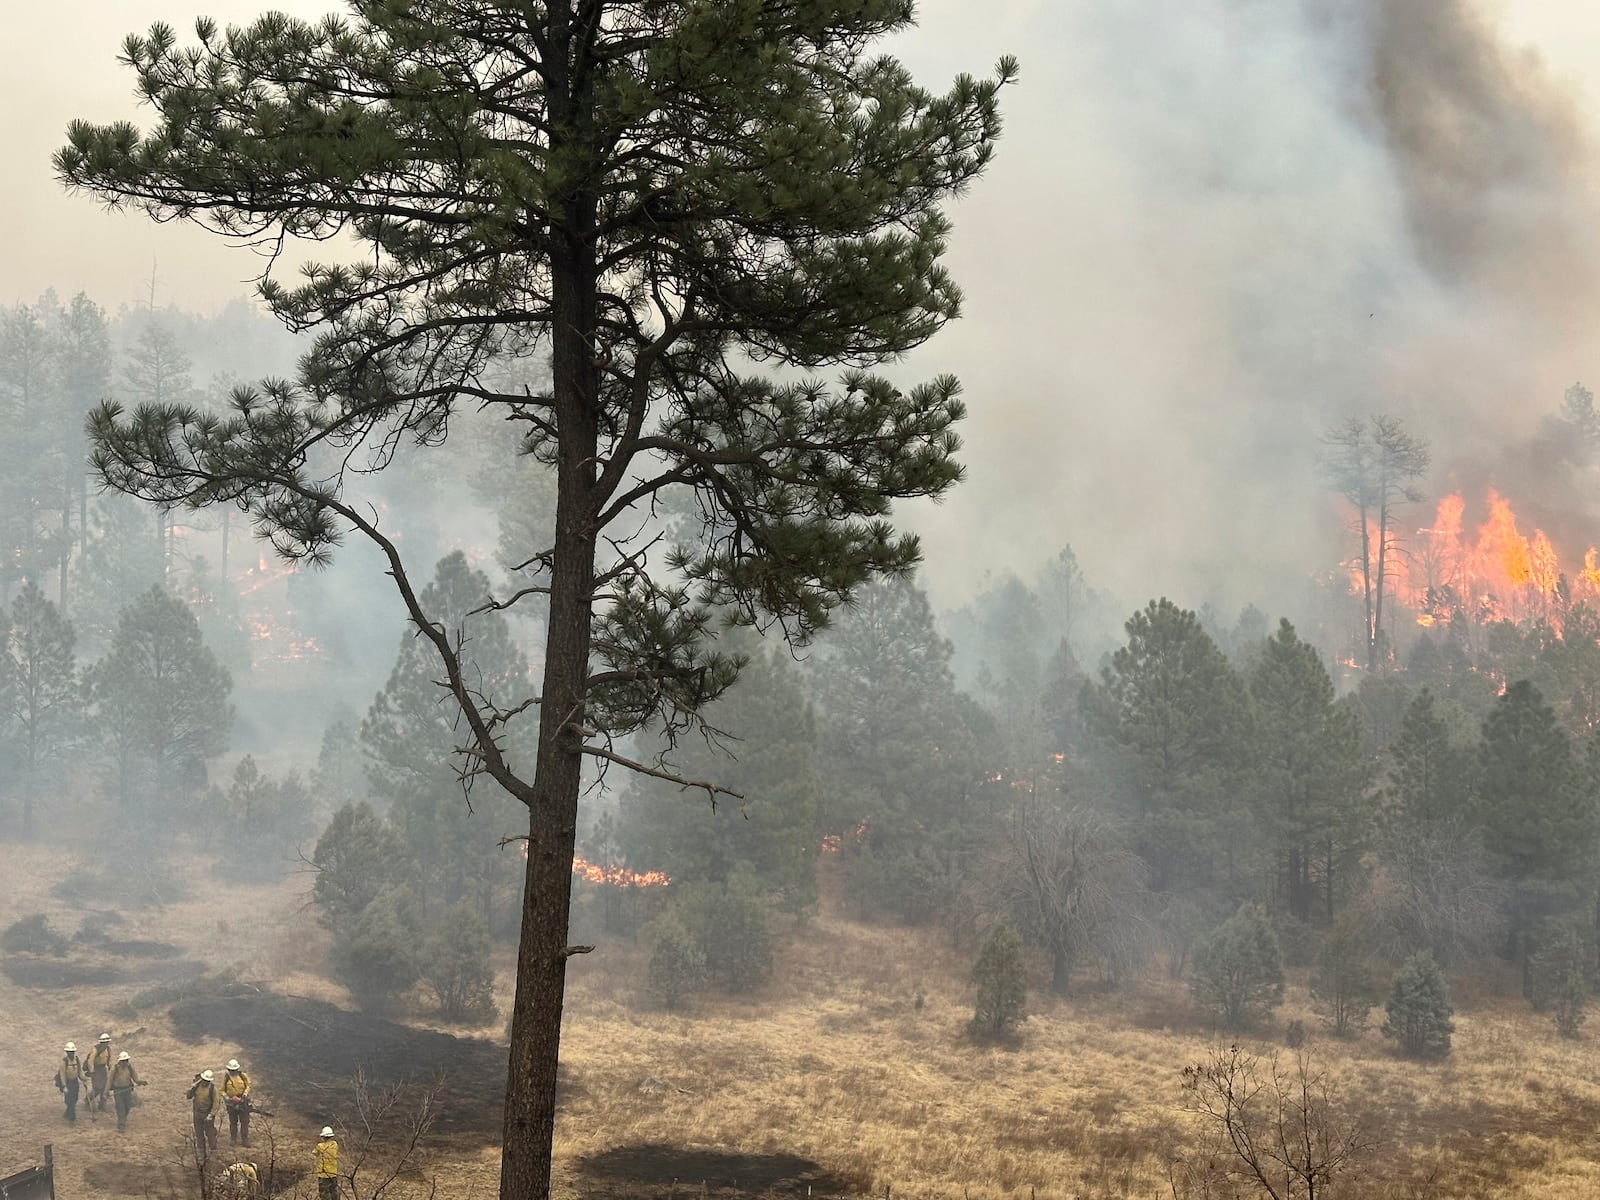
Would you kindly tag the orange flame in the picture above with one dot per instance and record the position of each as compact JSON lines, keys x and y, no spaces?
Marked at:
{"x":1496,"y":573}
{"x":616,"y":876}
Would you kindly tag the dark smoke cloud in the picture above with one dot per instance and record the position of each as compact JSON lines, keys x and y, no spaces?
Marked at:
{"x":1489,"y":152}
{"x":1214,"y":230}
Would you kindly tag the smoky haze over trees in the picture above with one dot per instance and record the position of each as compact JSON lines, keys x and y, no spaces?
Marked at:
{"x":1107,"y":791}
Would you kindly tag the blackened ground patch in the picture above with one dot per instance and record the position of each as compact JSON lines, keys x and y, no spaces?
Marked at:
{"x":129,"y":1178}
{"x":56,"y":974}
{"x":304,"y":1055}
{"x":658,"y":1169}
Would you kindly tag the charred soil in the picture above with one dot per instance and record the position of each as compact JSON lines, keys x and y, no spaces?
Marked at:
{"x":659,"y":1170}
{"x":312,"y":1050}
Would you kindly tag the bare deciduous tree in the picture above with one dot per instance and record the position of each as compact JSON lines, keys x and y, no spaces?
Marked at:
{"x":1065,"y":878}
{"x":1434,"y":891}
{"x":1277,"y":1131}
{"x":386,"y":1134}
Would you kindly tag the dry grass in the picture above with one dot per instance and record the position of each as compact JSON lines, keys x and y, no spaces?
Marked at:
{"x":835,"y":1063}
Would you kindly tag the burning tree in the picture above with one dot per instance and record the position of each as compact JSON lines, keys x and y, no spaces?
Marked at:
{"x":1371,"y":463}
{"x":657,"y":195}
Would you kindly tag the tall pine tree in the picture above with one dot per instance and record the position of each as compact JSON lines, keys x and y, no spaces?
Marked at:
{"x":1309,"y":770}
{"x":1172,"y":727}
{"x":769,"y":757}
{"x":412,"y":731}
{"x":160,"y":702}
{"x":1537,"y":810}
{"x":45,"y":698}
{"x":661,"y":196}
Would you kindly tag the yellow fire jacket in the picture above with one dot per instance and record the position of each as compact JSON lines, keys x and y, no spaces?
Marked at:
{"x":327,"y":1158}
{"x":204,"y":1096}
{"x":68,"y":1070}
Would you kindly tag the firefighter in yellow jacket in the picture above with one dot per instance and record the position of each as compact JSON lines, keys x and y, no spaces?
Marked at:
{"x":203,"y":1094}
{"x":99,"y":1071}
{"x":69,"y":1074}
{"x":236,"y":1098}
{"x":327,"y":1155}
{"x":123,"y":1080}
{"x":239,"y":1182}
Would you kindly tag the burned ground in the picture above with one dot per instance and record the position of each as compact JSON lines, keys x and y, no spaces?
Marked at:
{"x":40,"y":971}
{"x":181,"y":1179}
{"x":656,"y":1169}
{"x":311,"y":1051}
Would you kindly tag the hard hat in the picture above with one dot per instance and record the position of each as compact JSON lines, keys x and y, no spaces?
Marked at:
{"x":70,"y":1046}
{"x":233,"y":1064}
{"x":123,"y":1057}
{"x":105,"y":1037}
{"x":327,"y":1131}
{"x":206,"y":1075}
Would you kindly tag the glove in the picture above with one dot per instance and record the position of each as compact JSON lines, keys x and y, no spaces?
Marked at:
{"x":140,"y":1083}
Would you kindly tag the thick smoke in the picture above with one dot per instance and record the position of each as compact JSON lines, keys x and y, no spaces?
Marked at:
{"x":1216,"y":229}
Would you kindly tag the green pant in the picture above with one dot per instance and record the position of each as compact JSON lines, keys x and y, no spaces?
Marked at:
{"x":123,"y":1099}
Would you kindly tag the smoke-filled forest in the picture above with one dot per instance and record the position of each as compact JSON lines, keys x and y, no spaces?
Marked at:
{"x":1042,"y":817}
{"x":602,"y":672}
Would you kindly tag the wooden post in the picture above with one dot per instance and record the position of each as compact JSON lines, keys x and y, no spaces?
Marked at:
{"x":50,"y":1169}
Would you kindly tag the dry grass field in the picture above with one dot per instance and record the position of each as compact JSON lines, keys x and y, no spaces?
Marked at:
{"x":836,"y":1064}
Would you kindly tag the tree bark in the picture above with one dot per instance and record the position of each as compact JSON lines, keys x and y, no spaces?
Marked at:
{"x":1366,"y":586}
{"x":1383,"y":566}
{"x":543,"y":953}
{"x":66,"y":551}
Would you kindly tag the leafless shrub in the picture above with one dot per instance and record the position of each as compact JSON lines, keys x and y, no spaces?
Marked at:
{"x":1264,"y":1128}
{"x":384,"y":1138}
{"x":1063,"y":876}
{"x":1434,"y":893}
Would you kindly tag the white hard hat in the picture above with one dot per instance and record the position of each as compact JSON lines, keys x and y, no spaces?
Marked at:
{"x":327,"y":1131}
{"x":123,"y":1057}
{"x":72,"y":1047}
{"x":233,"y":1064}
{"x":206,"y":1075}
{"x":105,"y":1037}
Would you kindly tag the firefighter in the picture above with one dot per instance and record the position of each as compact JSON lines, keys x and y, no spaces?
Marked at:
{"x":327,"y":1155}
{"x":203,"y":1094}
{"x":123,"y":1080}
{"x":98,"y":1069}
{"x":236,"y":1097}
{"x":69,"y":1072}
{"x":239,"y":1182}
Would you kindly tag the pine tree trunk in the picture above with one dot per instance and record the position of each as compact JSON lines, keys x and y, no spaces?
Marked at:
{"x":542,"y":954}
{"x":1383,"y":549}
{"x":66,"y":550}
{"x":1366,"y":587}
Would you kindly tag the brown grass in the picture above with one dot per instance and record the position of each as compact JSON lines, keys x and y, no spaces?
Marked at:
{"x":835,"y":1064}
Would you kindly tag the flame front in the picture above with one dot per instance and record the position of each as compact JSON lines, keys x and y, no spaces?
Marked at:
{"x":616,"y":876}
{"x":1495,"y":573}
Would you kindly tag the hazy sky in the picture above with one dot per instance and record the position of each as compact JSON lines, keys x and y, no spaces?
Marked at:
{"x":1211,"y":230}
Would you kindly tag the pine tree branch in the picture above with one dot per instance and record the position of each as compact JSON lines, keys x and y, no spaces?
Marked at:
{"x":712,"y":790}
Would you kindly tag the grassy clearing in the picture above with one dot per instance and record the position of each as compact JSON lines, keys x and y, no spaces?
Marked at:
{"x":836,"y":1063}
